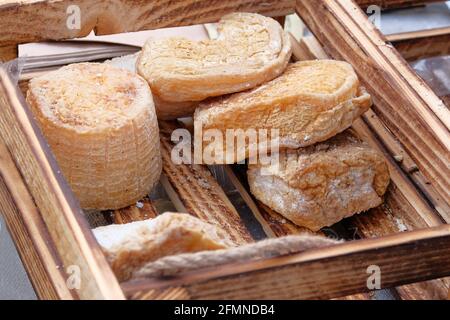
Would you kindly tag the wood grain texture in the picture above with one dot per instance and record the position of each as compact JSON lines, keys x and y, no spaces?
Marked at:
{"x":426,"y":290}
{"x":409,"y":167}
{"x":273,"y":224}
{"x":398,"y":214}
{"x":372,"y":130}
{"x":408,"y":107}
{"x":403,"y":199}
{"x":396,"y":202}
{"x":31,"y":21}
{"x":258,"y":280}
{"x":29,"y":233}
{"x":145,"y":211}
{"x":8,"y":52}
{"x":404,"y":208}
{"x":422,"y":44}
{"x":33,"y":264}
{"x":322,"y":273}
{"x":196,"y":206}
{"x":67,"y":227}
{"x":446,"y":100}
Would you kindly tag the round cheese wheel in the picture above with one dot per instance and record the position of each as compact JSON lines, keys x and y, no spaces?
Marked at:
{"x":100,"y":123}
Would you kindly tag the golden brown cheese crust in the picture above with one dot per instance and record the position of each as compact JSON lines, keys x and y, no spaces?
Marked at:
{"x":101,"y":125}
{"x":319,"y":185}
{"x":164,"y":110}
{"x":251,"y":49}
{"x":310,"y":102}
{"x":129,"y":246}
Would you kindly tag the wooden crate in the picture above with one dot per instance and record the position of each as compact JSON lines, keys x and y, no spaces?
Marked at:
{"x":407,"y":237}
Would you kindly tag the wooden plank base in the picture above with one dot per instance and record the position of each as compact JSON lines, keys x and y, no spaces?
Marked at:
{"x":323,"y":273}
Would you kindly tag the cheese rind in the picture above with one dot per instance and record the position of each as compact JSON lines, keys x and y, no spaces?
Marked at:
{"x":322,"y":184}
{"x":101,"y":125}
{"x":129,"y":246}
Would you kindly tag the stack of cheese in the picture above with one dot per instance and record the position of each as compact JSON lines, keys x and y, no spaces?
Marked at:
{"x":323,"y":172}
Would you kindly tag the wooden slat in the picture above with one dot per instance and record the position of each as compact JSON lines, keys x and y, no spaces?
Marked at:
{"x":390,"y":142}
{"x":391,"y":225}
{"x":427,"y":290}
{"x":383,"y":215}
{"x":273,"y":223}
{"x":8,"y":52}
{"x":28,"y":253}
{"x":394,"y":4}
{"x":28,"y":21}
{"x":405,"y":162}
{"x":194,"y":190}
{"x":400,"y":216}
{"x":322,"y":273}
{"x":422,"y":44}
{"x":418,"y":34}
{"x":68,"y":229}
{"x":408,"y":107}
{"x":206,"y":201}
{"x":160,"y":294}
{"x":30,"y":234}
{"x":146,"y":210}
{"x":446,"y":100}
{"x":183,"y":292}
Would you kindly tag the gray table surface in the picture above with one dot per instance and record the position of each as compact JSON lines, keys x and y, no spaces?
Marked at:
{"x":14,"y":283}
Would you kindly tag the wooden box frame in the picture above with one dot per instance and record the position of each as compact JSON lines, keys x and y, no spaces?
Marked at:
{"x":407,"y":120}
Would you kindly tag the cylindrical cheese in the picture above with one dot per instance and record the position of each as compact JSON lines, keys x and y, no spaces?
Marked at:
{"x":100,"y":123}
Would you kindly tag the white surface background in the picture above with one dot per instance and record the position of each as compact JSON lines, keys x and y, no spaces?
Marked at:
{"x":14,"y":283}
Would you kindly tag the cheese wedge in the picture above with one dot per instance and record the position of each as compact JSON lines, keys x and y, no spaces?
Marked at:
{"x":320,"y":185}
{"x":101,"y":125}
{"x":250,"y":50}
{"x":310,"y":102}
{"x":129,"y":246}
